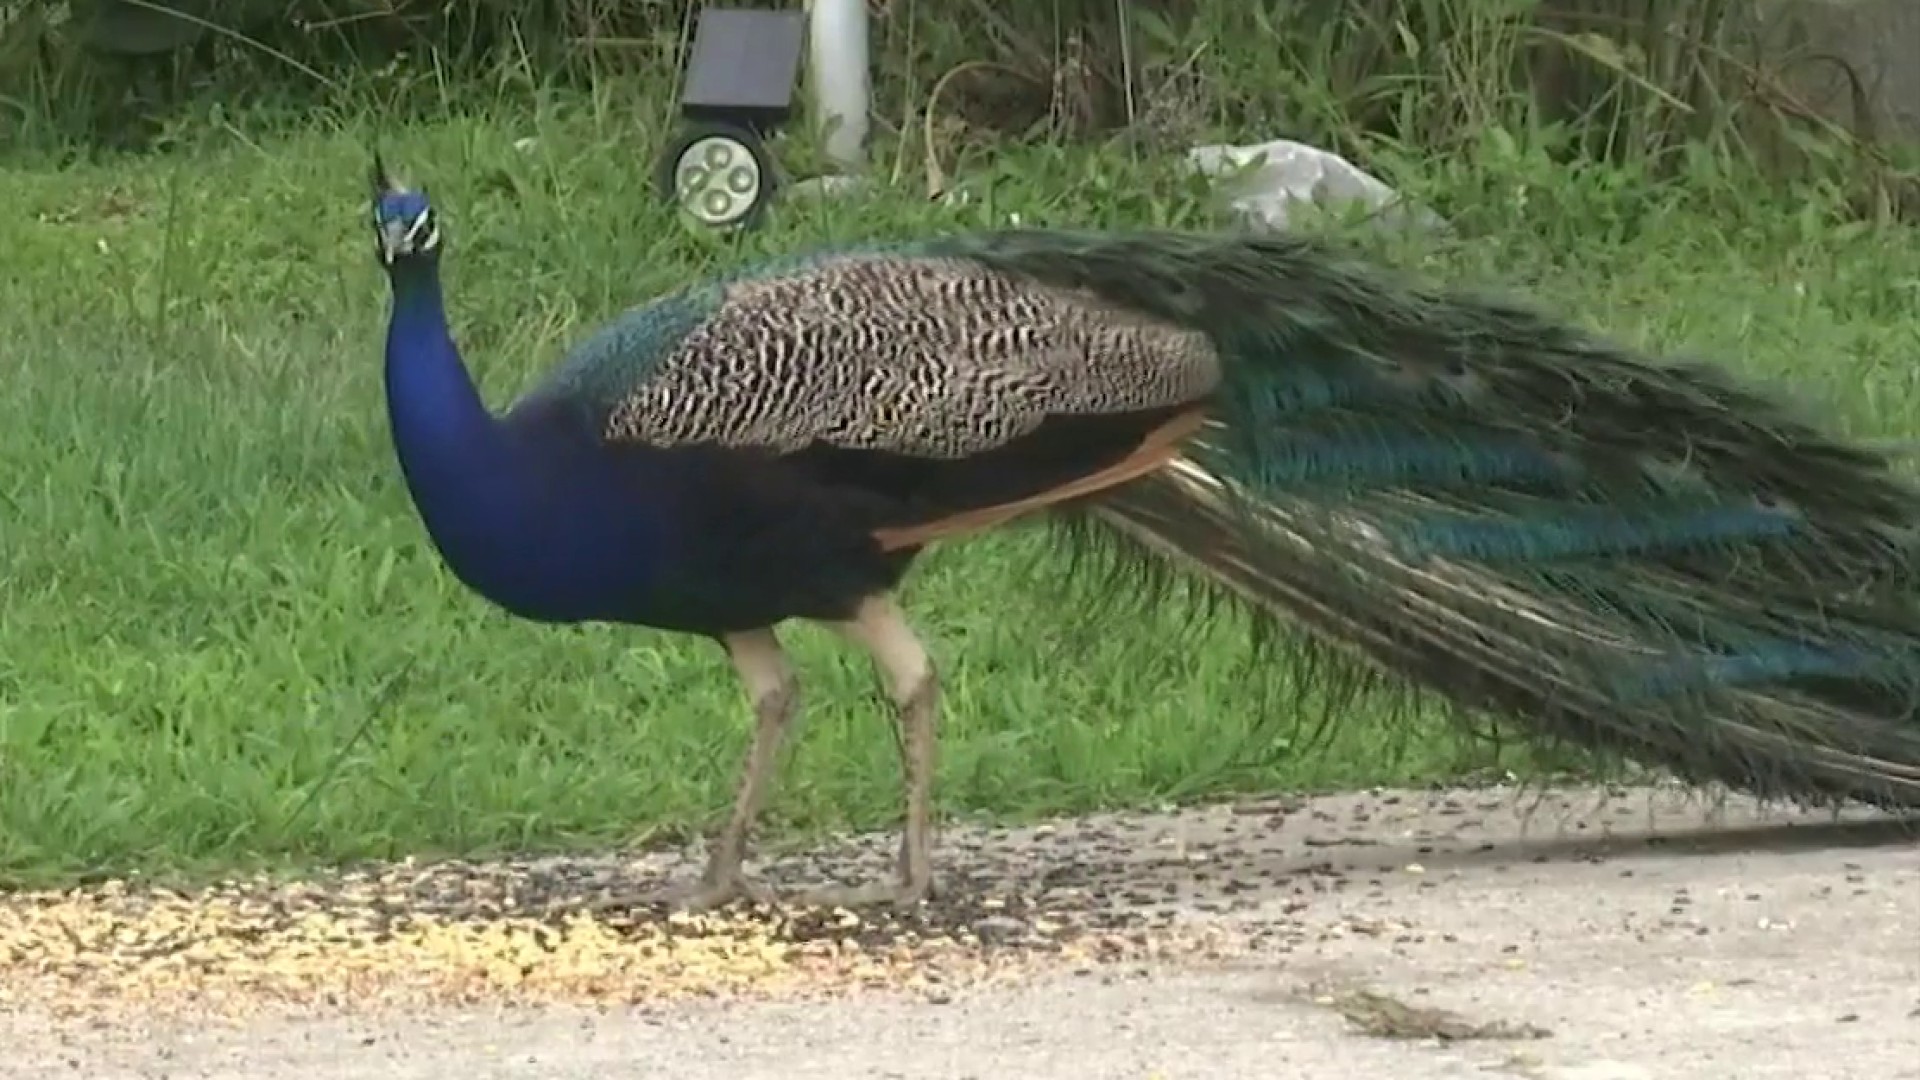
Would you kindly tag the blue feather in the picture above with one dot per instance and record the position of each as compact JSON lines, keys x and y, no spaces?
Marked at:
{"x":1273,"y":402}
{"x":607,"y":363}
{"x":1581,"y":533}
{"x":1764,"y":662}
{"x":1381,"y":459}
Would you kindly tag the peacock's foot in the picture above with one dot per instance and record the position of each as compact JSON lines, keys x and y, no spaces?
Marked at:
{"x":901,"y":893}
{"x":706,"y":895}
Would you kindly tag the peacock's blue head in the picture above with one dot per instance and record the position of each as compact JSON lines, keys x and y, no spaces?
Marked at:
{"x":405,"y":227}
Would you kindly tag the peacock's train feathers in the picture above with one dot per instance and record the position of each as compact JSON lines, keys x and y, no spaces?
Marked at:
{"x":1486,"y":503}
{"x":1641,"y":559}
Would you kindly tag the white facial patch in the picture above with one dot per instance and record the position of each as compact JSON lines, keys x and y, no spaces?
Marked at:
{"x":423,"y":234}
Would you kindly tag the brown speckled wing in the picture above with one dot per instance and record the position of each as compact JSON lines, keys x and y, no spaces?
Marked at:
{"x":935,"y":357}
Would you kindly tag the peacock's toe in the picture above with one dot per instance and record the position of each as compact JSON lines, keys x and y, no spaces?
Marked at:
{"x":900,"y":893}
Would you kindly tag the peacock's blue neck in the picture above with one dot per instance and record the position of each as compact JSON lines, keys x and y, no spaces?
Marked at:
{"x":530,"y":511}
{"x":439,"y":420}
{"x":476,"y":494}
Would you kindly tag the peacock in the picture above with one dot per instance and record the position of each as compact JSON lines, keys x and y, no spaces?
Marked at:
{"x":1457,"y":493}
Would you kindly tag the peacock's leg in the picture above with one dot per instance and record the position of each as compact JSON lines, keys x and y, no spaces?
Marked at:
{"x":775,"y":693}
{"x":914,"y":686}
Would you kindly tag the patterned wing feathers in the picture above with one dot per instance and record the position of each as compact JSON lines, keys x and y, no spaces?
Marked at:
{"x":931,"y":357}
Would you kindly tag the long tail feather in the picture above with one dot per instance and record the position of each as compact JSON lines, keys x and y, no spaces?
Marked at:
{"x":1638,"y":558}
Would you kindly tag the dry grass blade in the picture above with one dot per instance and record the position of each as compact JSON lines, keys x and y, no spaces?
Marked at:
{"x":936,"y":175}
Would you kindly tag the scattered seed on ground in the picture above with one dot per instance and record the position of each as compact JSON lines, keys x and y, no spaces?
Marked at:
{"x":1082,"y":896}
{"x":1103,"y":894}
{"x":244,"y":946}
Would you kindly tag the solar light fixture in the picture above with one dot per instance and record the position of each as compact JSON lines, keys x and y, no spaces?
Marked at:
{"x":739,"y":89}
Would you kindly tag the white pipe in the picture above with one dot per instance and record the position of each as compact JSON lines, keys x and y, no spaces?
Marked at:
{"x":842,"y":86}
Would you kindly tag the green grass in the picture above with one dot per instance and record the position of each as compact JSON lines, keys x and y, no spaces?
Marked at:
{"x":211,"y":580}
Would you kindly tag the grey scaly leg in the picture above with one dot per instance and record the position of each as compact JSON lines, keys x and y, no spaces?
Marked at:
{"x":912,"y":683}
{"x":775,"y":693}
